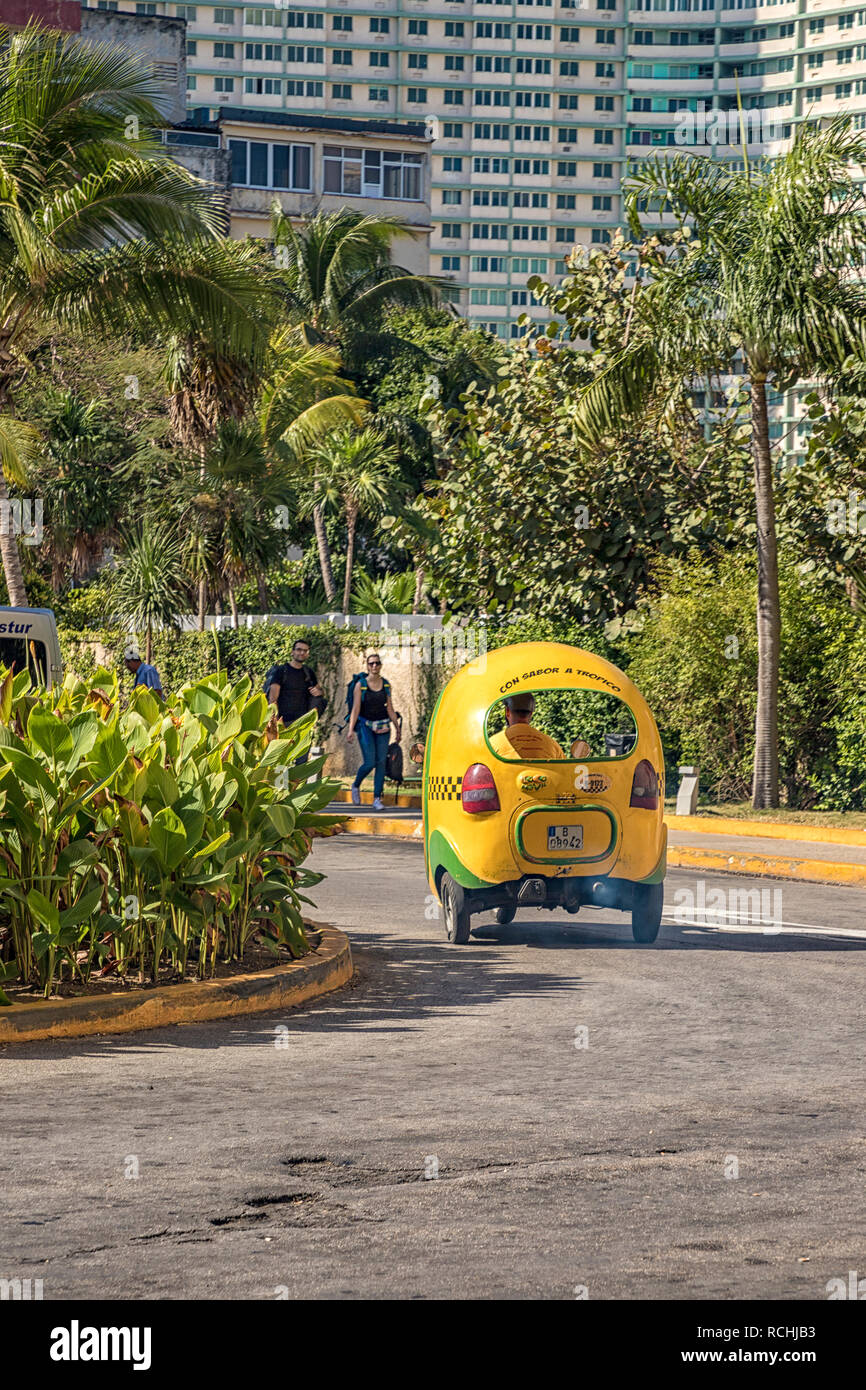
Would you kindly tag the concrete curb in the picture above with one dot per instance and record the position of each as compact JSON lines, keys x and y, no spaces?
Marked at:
{"x":283,"y":987}
{"x":381,"y":824}
{"x":679,"y":856}
{"x":764,"y":866}
{"x":406,"y":801}
{"x":768,"y":830}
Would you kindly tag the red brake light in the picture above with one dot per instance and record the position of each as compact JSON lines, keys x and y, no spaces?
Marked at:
{"x":478,"y":790}
{"x":645,"y":786}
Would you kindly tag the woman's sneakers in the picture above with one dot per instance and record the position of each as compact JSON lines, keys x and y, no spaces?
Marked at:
{"x":356,"y":796}
{"x":378,"y":804}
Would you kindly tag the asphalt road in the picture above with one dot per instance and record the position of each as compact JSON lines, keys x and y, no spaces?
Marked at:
{"x":439,"y":1128}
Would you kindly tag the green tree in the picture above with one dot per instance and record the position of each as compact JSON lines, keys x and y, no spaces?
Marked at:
{"x":357,"y":471}
{"x":150,"y":586}
{"x":86,"y":188}
{"x":764,"y":269}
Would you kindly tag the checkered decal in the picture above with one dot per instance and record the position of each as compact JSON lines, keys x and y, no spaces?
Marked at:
{"x":441,"y":788}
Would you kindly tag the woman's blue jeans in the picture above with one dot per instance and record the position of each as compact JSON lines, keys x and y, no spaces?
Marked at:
{"x":374,"y":751}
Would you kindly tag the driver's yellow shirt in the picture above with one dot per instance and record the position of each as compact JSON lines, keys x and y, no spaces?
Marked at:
{"x":526,"y":743}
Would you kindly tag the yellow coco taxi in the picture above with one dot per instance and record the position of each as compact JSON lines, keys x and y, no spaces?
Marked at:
{"x":513,"y":818}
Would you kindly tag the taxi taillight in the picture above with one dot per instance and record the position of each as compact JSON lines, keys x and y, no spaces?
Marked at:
{"x":478,"y":790}
{"x":645,"y":786}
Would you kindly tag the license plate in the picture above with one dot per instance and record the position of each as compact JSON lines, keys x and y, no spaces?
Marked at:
{"x":564,"y":837}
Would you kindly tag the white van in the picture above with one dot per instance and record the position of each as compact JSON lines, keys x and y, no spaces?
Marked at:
{"x":28,"y":640}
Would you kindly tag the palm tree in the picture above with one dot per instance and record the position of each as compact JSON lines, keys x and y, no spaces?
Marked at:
{"x":357,"y":471}
{"x":304,"y":399}
{"x":231,"y":499}
{"x":92,"y":212}
{"x":149,"y":585}
{"x":339,"y":278}
{"x":764,"y":270}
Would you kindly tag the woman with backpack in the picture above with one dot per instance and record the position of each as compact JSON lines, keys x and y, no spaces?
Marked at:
{"x":373,"y":714}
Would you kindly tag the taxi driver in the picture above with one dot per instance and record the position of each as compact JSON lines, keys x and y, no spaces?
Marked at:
{"x":520,"y":739}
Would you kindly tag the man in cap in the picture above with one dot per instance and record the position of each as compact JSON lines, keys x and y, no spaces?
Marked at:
{"x":519,"y":739}
{"x":143,"y":673}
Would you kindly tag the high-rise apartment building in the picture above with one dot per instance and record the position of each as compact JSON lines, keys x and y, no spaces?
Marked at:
{"x":538,"y":107}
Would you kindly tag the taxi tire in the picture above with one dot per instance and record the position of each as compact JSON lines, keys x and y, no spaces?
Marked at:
{"x":505,"y":914}
{"x":646,"y":912}
{"x":456,"y":910}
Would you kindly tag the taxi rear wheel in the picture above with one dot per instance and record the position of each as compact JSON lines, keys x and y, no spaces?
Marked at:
{"x":505,"y":914}
{"x":456,"y":909}
{"x":646,"y":911}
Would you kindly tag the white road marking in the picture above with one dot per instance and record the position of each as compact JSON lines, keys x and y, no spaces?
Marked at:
{"x":763,"y":927}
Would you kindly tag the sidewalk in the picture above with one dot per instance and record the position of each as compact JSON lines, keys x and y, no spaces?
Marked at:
{"x":745,"y":853}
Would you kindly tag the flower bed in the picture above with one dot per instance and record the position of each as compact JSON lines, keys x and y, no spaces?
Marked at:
{"x":148,"y":839}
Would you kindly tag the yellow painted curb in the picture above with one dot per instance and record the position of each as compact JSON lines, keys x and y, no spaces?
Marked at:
{"x":283,"y":987}
{"x":807,"y":870}
{"x":768,"y":830}
{"x":408,"y":801}
{"x":385,"y":825}
{"x":679,"y":856}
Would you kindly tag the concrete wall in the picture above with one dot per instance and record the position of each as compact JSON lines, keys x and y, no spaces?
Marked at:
{"x":161,"y":42}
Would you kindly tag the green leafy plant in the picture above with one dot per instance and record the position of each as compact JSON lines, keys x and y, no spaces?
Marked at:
{"x":150,"y":836}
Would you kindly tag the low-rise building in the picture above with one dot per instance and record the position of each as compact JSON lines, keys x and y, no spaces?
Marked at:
{"x":311,"y":163}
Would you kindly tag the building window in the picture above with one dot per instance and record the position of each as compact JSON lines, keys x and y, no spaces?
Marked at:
{"x":378,"y":94}
{"x":223,"y":84}
{"x":452,"y":231}
{"x":227,"y":50}
{"x":342,"y":57}
{"x":452,"y":163}
{"x":187,"y":12}
{"x":191,"y":48}
{"x":270,"y":19}
{"x":454,"y":62}
{"x":567,"y":135}
{"x":380,"y":60}
{"x":341,"y":91}
{"x":604,"y":103}
{"x":492,"y":265}
{"x":602,"y":202}
{"x":568,"y":101}
{"x":372,"y":173}
{"x":300,"y":19}
{"x":454,"y":96}
{"x":566,"y":200}
{"x":450,"y":262}
{"x":566,"y":169}
{"x":454,"y":28}
{"x":416,"y":95}
{"x":605,"y":70}
{"x":418,"y":26}
{"x":269,"y":52}
{"x":452,"y":130}
{"x":602,"y":171}
{"x":452,"y":197}
{"x":191,"y":82}
{"x":263,"y":164}
{"x":380,"y":25}
{"x":342,"y":23}
{"x":605,"y":35}
{"x":296,"y":53}
{"x":569,"y":35}
{"x":490,"y":231}
{"x":148,"y":9}
{"x":264,"y":86}
{"x":566,"y":234}
{"x":299,"y":88}
{"x":600,"y":236}
{"x":569,"y":69}
{"x":417,"y":60}
{"x":602,"y":137}
{"x":221,"y":16}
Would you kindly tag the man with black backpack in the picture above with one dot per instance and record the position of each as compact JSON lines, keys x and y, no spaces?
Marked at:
{"x":294,"y":687}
